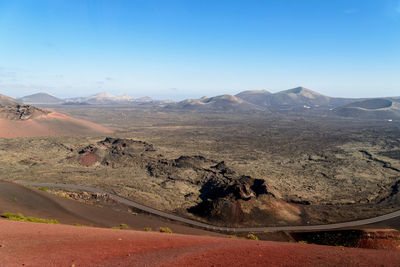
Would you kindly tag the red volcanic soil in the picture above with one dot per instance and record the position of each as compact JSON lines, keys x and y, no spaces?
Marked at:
{"x":33,"y":244}
{"x":88,"y":159}
{"x":52,"y":124}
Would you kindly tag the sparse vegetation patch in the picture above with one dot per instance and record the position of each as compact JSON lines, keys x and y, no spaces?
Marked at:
{"x":21,"y":218}
{"x":165,"y":230}
{"x":122,"y":226}
{"x":251,"y":236}
{"x":44,"y":189}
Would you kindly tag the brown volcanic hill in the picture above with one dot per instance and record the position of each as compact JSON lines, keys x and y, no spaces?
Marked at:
{"x":299,"y":96}
{"x":377,"y":108}
{"x":220,"y":103}
{"x":40,"y":99}
{"x":5,"y":100}
{"x":257,"y":97}
{"x":28,"y":121}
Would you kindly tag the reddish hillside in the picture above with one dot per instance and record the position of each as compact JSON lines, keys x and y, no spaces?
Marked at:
{"x":28,"y":121}
{"x":5,"y":100}
{"x":33,"y":244}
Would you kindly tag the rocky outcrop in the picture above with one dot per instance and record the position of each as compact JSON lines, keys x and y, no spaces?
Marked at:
{"x":224,"y":195}
{"x":221,"y":197}
{"x":116,"y":152}
{"x":122,"y":146}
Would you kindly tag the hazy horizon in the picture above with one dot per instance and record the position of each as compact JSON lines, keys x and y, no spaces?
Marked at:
{"x":187,"y":49}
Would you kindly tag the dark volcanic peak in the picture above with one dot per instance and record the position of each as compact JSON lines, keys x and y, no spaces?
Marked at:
{"x":301,"y":95}
{"x":40,"y":98}
{"x":300,"y":91}
{"x":5,"y":100}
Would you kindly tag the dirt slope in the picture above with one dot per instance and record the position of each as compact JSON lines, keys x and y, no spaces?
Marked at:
{"x":15,"y":198}
{"x":32,"y":244}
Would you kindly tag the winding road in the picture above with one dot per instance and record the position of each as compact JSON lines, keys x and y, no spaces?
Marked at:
{"x":163,"y":214}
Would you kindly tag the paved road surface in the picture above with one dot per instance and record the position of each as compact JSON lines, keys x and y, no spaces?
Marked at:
{"x":228,"y":229}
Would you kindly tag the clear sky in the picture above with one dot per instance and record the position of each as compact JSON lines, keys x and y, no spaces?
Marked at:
{"x":189,"y":48}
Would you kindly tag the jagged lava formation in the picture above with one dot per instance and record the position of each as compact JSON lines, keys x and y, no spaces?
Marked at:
{"x":224,"y":196}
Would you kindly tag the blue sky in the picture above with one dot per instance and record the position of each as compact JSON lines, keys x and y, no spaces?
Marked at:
{"x":189,"y":48}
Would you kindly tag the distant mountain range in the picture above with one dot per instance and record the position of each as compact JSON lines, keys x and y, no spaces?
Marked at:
{"x":295,"y":100}
{"x":299,"y":98}
{"x":103,"y":98}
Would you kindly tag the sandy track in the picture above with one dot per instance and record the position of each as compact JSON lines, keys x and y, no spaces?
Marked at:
{"x":35,"y":244}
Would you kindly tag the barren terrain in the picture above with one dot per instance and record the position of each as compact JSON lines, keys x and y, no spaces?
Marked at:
{"x":328,"y":169}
